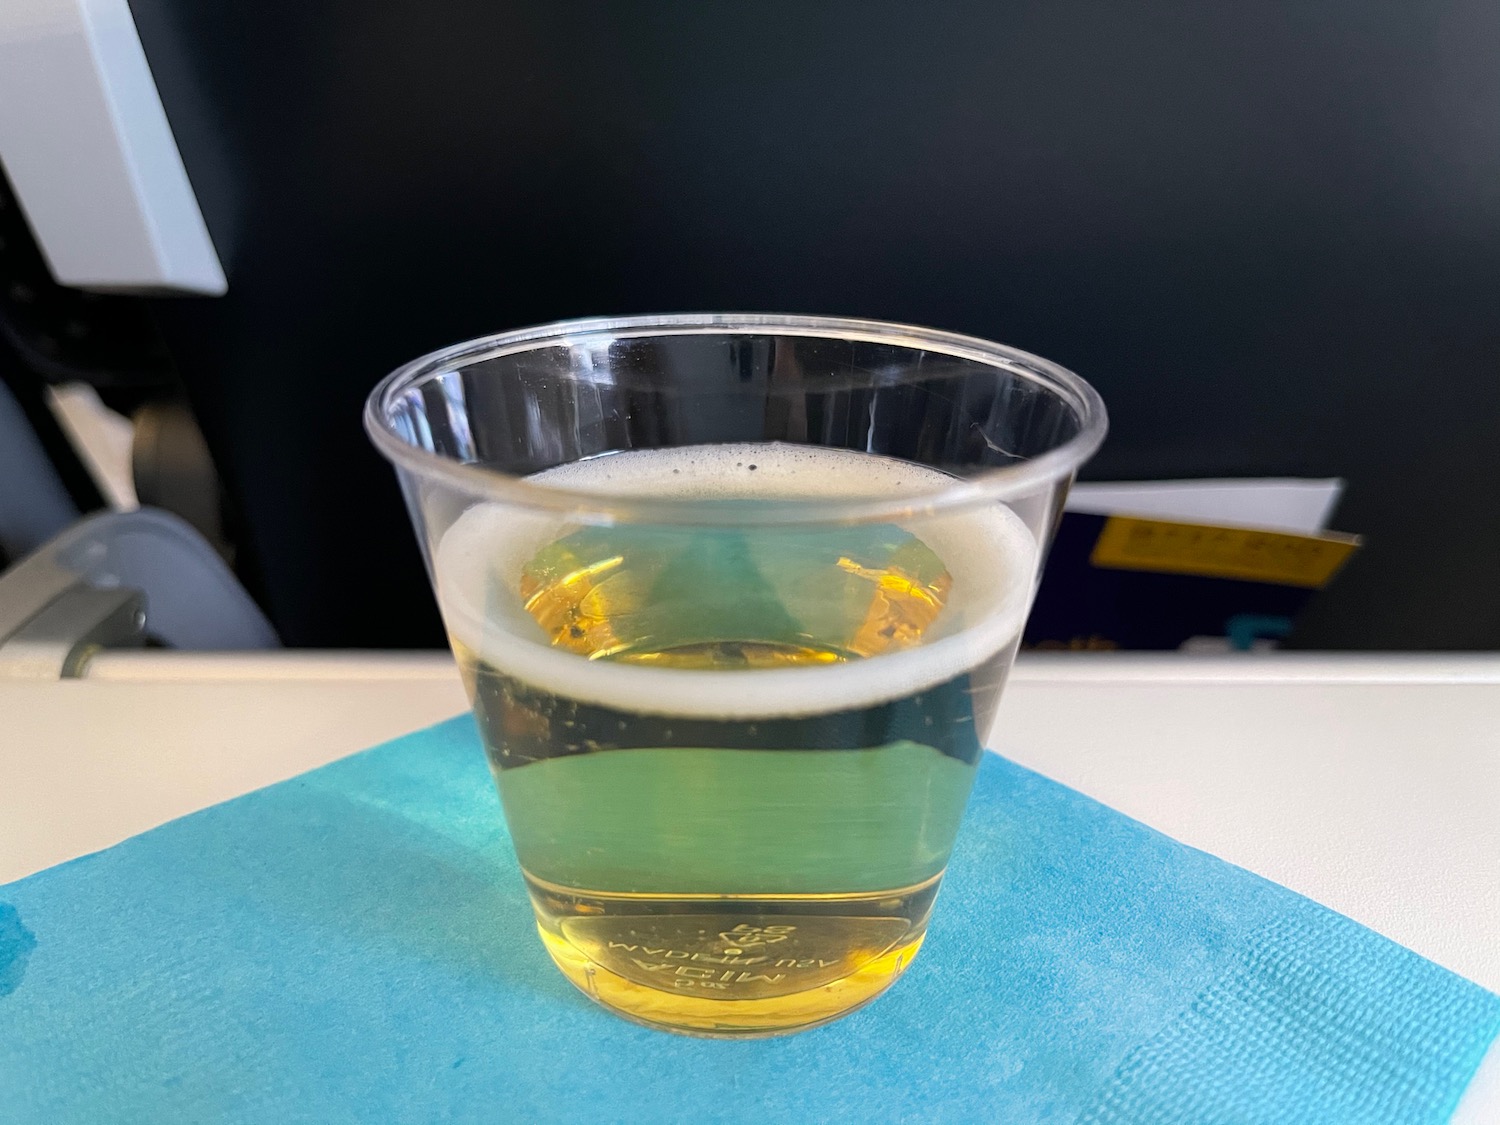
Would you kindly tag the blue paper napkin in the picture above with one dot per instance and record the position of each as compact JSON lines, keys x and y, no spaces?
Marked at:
{"x":355,"y":945}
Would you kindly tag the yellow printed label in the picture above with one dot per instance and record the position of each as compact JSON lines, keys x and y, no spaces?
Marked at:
{"x":1129,"y":543}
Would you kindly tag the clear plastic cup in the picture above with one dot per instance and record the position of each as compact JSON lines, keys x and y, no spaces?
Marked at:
{"x":734,"y":597}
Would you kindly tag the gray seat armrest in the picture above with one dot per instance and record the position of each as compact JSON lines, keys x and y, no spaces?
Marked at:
{"x":120,"y":578}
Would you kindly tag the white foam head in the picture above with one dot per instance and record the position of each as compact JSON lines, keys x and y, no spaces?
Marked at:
{"x":990,"y":555}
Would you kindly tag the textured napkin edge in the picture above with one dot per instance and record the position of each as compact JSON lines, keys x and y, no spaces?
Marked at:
{"x":1374,"y":1033}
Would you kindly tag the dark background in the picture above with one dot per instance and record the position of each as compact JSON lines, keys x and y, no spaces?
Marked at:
{"x":1268,"y":233}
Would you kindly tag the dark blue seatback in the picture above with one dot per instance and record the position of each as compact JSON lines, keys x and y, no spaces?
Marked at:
{"x":1269,"y":233}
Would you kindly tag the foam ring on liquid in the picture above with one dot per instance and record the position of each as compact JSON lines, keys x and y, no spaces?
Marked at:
{"x":989,"y":552}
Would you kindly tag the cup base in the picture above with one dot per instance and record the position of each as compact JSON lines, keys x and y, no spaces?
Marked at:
{"x":686,"y":1010}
